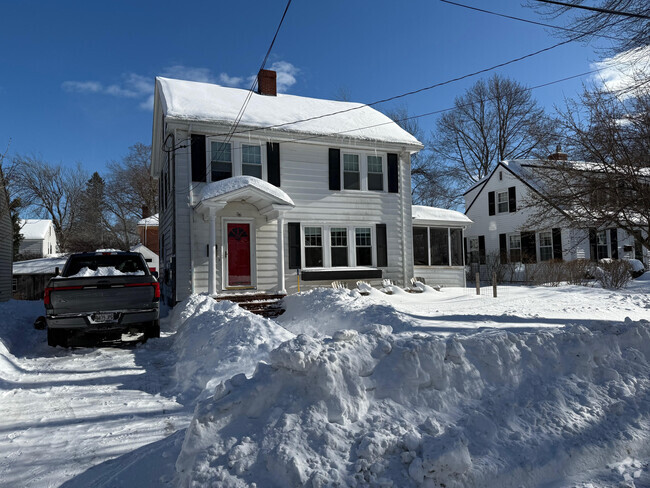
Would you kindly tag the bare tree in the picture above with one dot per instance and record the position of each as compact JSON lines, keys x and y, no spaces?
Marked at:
{"x":611,"y":188}
{"x":493,"y":121}
{"x":53,"y":191}
{"x":129,"y":188}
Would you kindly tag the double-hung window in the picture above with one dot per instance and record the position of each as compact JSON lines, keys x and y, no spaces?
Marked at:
{"x":502,"y":202}
{"x":220,"y":160}
{"x":339,"y":246}
{"x":515,"y":248}
{"x":251,"y":160}
{"x":473,"y":250}
{"x":351,"y":172}
{"x":363,"y":242}
{"x":375,"y":173}
{"x":313,"y":247}
{"x":602,"y":250}
{"x":545,"y":246}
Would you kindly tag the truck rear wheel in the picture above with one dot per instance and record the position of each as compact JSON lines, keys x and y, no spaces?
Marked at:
{"x":57,"y":337}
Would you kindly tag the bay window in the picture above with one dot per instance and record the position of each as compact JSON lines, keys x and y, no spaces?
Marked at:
{"x":339,"y":246}
{"x":313,"y":247}
{"x":363,"y":241}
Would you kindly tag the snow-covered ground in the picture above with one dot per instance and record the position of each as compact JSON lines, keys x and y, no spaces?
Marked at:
{"x":538,"y":387}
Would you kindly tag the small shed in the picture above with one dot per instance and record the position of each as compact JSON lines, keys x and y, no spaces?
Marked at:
{"x":31,"y":277}
{"x":438,"y":236}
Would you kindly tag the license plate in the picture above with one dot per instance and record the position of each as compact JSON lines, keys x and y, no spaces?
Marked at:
{"x":104,"y":317}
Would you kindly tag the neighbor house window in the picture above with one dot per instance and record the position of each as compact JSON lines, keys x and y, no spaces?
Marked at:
{"x":339,"y":246}
{"x":545,"y":246}
{"x":14,"y":285}
{"x":421,"y":246}
{"x":363,"y":241}
{"x":351,"y":173}
{"x":220,"y":160}
{"x":515,"y":248}
{"x":473,"y":250}
{"x":602,"y":250}
{"x":502,"y":202}
{"x":439,"y":243}
{"x":251,"y":160}
{"x":375,"y":173}
{"x":313,"y":247}
{"x":456,"y":246}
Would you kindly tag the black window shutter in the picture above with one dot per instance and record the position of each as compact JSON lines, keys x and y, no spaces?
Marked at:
{"x":557,"y":244}
{"x":273,"y":162}
{"x":393,"y":173}
{"x":528,"y":248}
{"x":335,"y":169}
{"x":613,"y":241}
{"x":465,"y":250}
{"x":503,"y":248}
{"x":491,"y":204}
{"x":198,"y":158}
{"x":294,"y":245}
{"x":481,"y":250}
{"x":592,"y":245}
{"x":382,"y":246}
{"x":512,"y":199}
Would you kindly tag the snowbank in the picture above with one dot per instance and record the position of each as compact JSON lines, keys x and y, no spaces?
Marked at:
{"x":216,"y":340}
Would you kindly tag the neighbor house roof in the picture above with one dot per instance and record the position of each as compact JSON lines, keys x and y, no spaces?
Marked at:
{"x":149,"y":221}
{"x":421,"y":213}
{"x":35,"y":228}
{"x":39,"y":266}
{"x":194,"y":101}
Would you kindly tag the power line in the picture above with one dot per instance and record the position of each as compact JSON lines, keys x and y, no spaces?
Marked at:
{"x":597,"y":9}
{"x":530,"y":21}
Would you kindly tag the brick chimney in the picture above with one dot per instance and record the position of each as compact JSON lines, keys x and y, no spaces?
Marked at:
{"x":558,"y":155}
{"x":266,"y":82}
{"x":145,"y":212}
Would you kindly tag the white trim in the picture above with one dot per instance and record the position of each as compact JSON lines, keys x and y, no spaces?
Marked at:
{"x":224,"y":249}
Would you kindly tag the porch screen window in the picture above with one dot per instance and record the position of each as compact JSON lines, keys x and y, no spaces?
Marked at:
{"x":351,"y":179}
{"x":420,"y":246}
{"x":545,"y":246}
{"x":439,"y":242}
{"x":601,"y":243}
{"x":456,"y":246}
{"x":363,"y":246}
{"x":515,"y":248}
{"x":375,"y":173}
{"x":221,"y":160}
{"x":502,"y":202}
{"x":251,"y":160}
{"x":339,"y":246}
{"x":313,"y":247}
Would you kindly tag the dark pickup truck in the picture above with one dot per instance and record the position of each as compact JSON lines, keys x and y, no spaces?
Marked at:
{"x":102,"y":295}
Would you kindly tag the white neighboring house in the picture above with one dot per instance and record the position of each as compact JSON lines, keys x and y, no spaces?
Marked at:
{"x":499,"y":230}
{"x":329,"y":196}
{"x":149,"y":256}
{"x":6,"y":244}
{"x":438,"y":255}
{"x":39,"y":239}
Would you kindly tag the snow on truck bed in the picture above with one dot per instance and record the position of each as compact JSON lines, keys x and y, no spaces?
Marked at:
{"x":539,"y":387}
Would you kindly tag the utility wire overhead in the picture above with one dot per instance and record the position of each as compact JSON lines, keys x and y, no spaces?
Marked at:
{"x":528,"y":21}
{"x":597,"y":9}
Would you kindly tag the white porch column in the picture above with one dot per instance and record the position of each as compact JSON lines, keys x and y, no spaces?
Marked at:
{"x":281,"y":288}
{"x":212,"y":265}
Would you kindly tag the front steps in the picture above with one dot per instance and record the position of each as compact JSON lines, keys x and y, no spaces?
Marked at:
{"x":263,"y":304}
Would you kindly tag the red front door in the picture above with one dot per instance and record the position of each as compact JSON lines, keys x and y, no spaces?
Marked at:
{"x":239,"y":255}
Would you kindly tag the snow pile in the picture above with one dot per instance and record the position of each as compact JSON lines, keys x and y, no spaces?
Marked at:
{"x":323,"y":311}
{"x":86,"y":272}
{"x":216,"y":340}
{"x":380,"y":409}
{"x":217,"y":189}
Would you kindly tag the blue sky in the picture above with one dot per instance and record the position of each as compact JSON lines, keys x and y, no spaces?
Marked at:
{"x":77,"y":76}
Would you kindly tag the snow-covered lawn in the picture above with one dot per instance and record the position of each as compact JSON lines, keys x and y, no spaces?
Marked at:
{"x":538,"y":387}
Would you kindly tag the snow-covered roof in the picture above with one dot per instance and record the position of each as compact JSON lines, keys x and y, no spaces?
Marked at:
{"x":442,"y":215}
{"x":39,"y":266}
{"x":230,"y":185}
{"x":35,"y":228}
{"x":194,"y":101}
{"x":149,"y":221}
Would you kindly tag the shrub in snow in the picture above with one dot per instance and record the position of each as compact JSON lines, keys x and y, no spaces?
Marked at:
{"x":614,"y":273}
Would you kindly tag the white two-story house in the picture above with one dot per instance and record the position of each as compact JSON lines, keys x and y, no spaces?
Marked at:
{"x":277,"y":192}
{"x":499,"y":207}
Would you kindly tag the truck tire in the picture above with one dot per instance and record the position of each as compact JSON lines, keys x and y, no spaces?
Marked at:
{"x":152,"y":331}
{"x":57,"y":337}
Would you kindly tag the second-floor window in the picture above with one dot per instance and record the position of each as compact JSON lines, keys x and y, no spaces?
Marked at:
{"x":221,"y":160}
{"x":375,"y":173}
{"x":502,"y":202}
{"x":251,"y":160}
{"x":351,"y":172}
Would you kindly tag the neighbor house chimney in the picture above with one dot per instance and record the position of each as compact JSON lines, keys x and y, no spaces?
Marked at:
{"x":266,"y":82}
{"x":145,"y":212}
{"x":558,"y":155}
